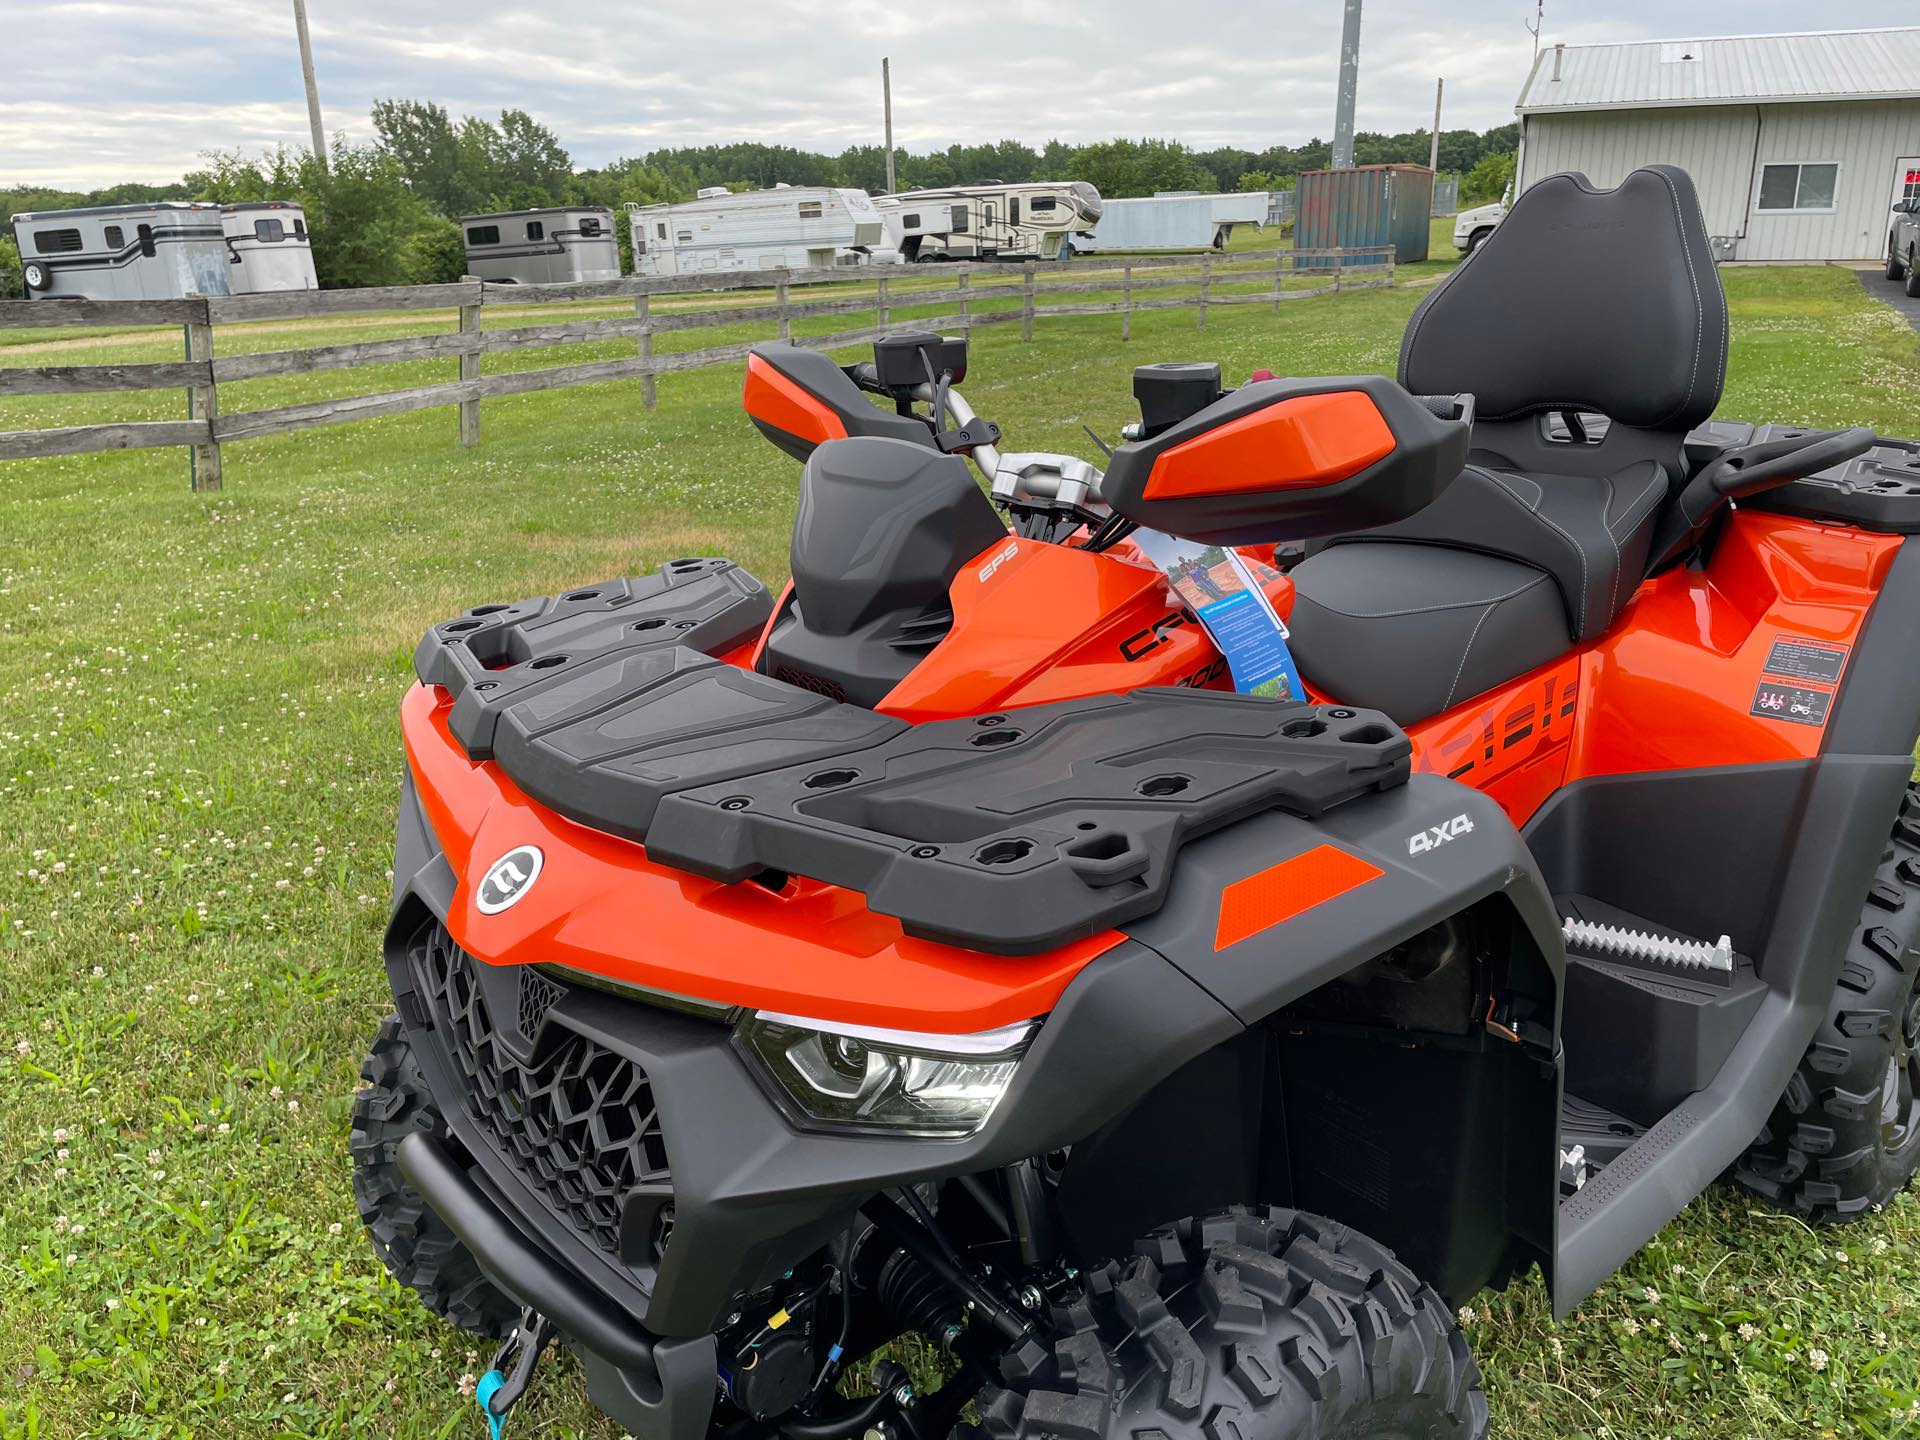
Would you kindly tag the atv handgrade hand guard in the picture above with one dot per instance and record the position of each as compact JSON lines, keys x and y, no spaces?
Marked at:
{"x":1293,"y":460}
{"x":1010,"y":833}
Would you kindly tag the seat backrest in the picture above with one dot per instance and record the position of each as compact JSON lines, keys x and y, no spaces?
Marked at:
{"x":1590,"y":300}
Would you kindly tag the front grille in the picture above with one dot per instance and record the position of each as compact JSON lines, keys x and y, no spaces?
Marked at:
{"x":579,"y":1125}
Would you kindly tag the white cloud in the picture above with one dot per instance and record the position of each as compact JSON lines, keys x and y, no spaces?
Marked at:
{"x":106,"y":90}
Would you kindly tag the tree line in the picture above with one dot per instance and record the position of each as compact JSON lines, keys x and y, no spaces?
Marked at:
{"x":384,"y":211}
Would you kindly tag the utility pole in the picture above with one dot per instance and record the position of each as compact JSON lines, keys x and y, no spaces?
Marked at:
{"x":886,"y":102}
{"x":1349,"y":88}
{"x":313,"y":90}
{"x":1433,"y":149}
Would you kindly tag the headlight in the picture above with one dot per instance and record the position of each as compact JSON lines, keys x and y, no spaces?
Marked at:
{"x":888,"y":1081}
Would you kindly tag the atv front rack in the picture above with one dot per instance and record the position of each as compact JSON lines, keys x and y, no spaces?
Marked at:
{"x":1011,"y":832}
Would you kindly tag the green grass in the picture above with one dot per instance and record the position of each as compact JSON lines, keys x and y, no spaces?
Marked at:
{"x":198,"y":765}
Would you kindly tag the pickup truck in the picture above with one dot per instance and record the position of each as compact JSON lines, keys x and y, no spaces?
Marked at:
{"x":1903,"y":244}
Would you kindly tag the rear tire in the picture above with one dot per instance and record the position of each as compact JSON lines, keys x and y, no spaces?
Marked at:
{"x":1913,"y":278}
{"x":1896,"y":268}
{"x":34,"y":275}
{"x":1845,"y":1138}
{"x":1251,"y":1325}
{"x":416,"y":1247}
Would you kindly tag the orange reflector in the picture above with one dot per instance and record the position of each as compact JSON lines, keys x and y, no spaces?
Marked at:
{"x":1293,"y":444}
{"x":1290,"y":888}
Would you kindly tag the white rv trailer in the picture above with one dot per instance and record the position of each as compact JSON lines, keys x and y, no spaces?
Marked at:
{"x":791,"y":226}
{"x":268,"y":247}
{"x":990,"y":222}
{"x":162,"y":251}
{"x":1174,"y":220}
{"x":543,"y":247}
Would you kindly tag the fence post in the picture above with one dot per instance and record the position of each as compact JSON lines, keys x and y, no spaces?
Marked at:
{"x":885,"y":316}
{"x":1393,"y":254}
{"x":470,"y":366}
{"x":780,"y":299}
{"x":643,"y":312}
{"x":1126,"y":301}
{"x":1279,"y":276}
{"x":1339,"y":264}
{"x":1206,"y":282}
{"x":966,"y":313}
{"x":203,"y":401}
{"x":1026,"y":304}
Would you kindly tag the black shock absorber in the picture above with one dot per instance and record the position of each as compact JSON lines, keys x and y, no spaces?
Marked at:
{"x":917,"y":1299}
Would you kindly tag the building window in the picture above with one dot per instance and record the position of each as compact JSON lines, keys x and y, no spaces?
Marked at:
{"x":910,"y":222}
{"x":299,"y":228}
{"x":1042,"y":202}
{"x":116,"y":237}
{"x":1013,"y":209}
{"x":959,"y":221}
{"x":1799,"y":187}
{"x":589,"y":226}
{"x":810,"y":210}
{"x":270,"y":232}
{"x":483,"y":235}
{"x":56,"y":242}
{"x":536,"y":231}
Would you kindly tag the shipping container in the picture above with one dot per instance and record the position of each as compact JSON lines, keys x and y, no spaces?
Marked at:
{"x":1366,"y":207}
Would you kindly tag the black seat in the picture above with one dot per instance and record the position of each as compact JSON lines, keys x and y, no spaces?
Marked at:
{"x":1584,"y":301}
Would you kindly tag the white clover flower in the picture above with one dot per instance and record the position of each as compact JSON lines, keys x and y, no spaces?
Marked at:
{"x":1747,"y":1332}
{"x":1817,"y":1359}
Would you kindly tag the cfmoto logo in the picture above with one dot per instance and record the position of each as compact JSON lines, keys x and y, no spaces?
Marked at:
{"x":508,"y":878}
{"x":1435,"y":836}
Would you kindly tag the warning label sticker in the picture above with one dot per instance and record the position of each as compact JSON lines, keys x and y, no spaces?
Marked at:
{"x":1793,"y":703}
{"x":1797,"y":659}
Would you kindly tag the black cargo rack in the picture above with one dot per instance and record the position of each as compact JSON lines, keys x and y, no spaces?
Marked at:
{"x":1012,"y":832}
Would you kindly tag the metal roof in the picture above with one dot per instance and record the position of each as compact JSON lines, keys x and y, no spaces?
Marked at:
{"x":1646,"y":74}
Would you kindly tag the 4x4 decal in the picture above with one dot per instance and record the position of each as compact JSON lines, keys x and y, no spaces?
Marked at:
{"x":1434,"y":836}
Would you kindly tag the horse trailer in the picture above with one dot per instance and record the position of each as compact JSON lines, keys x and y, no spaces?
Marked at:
{"x":991,"y":222}
{"x":268,"y":247}
{"x":789,"y":226}
{"x":551,"y":246}
{"x":1182,"y":220}
{"x":161,"y":251}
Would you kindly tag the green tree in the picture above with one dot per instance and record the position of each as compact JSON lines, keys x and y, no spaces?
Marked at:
{"x":1487,"y":180}
{"x":434,"y":254}
{"x":443,"y":168}
{"x":11,"y":285}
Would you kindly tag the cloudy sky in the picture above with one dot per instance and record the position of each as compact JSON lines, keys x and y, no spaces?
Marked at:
{"x":96,"y":91}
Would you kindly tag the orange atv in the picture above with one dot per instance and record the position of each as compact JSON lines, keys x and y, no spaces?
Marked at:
{"x":945,"y":947}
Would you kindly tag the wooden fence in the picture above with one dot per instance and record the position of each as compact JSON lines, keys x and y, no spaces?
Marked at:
{"x":1245,"y":278}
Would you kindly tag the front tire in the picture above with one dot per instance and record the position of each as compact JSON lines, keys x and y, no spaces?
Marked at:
{"x":416,"y":1247}
{"x":1251,"y":1325}
{"x":1845,"y":1138}
{"x":1913,"y":277}
{"x":1477,"y":239}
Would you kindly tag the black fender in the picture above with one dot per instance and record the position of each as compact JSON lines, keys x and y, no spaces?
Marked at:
{"x":1418,"y":1123}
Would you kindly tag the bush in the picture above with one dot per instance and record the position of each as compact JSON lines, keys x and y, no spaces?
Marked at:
{"x":10,"y":282}
{"x":434,"y":254}
{"x":1488,"y":180}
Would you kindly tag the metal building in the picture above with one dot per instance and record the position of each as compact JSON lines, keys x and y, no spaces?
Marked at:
{"x":1798,"y":144}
